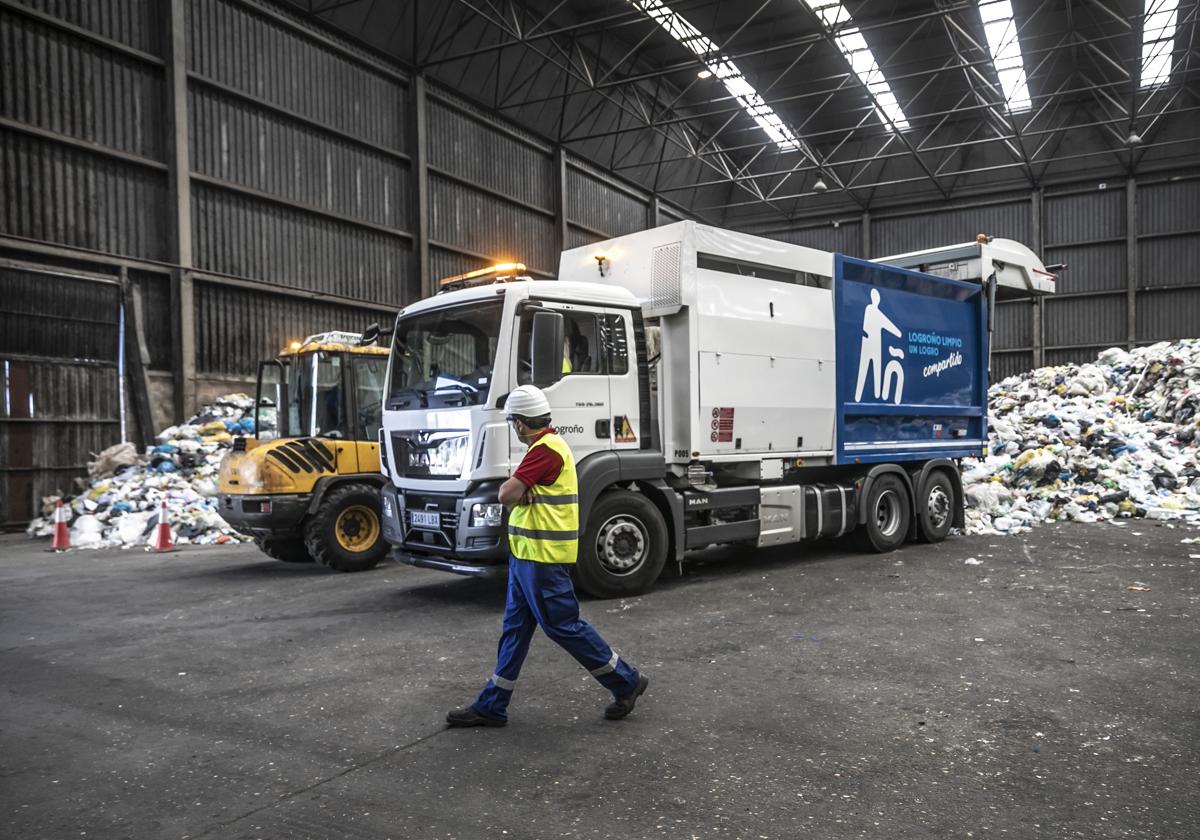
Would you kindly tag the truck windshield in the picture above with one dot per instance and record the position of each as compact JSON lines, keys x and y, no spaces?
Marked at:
{"x":444,"y":357}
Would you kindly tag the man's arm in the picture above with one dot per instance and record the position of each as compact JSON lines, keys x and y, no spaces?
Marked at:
{"x":513,"y":492}
{"x":541,"y":465}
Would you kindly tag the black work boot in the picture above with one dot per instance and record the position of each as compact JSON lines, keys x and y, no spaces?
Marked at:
{"x":622,"y":706}
{"x":470,"y":717}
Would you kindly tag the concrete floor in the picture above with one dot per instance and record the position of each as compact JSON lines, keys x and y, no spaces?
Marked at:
{"x":795,"y":693}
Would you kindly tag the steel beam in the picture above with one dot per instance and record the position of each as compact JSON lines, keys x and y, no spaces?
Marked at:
{"x":182,"y":294}
{"x":418,"y":120}
{"x":560,"y":182}
{"x":1131,"y":261}
{"x":1037,"y":311}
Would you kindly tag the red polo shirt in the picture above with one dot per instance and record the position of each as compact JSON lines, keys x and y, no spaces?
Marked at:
{"x":540,"y":465}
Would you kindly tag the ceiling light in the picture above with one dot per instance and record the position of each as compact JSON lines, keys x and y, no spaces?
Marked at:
{"x":1005,"y":47}
{"x":837,"y":22}
{"x":705,"y":74}
{"x":1158,"y":40}
{"x":725,"y":70}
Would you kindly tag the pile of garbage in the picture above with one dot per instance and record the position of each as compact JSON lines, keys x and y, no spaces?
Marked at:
{"x":118,"y":504}
{"x":1110,"y":439}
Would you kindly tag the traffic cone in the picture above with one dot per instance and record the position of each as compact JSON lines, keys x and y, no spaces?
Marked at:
{"x":162,"y":532}
{"x":62,"y":536}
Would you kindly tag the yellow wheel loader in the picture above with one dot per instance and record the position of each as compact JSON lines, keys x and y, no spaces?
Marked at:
{"x":306,"y":485}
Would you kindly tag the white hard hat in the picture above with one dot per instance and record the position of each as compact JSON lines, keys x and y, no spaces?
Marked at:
{"x":527,"y":401}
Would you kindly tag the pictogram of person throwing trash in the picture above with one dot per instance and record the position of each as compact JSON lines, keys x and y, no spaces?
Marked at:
{"x":871,"y":356}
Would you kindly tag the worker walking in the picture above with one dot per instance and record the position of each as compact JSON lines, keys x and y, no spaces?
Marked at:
{"x":543,"y":540}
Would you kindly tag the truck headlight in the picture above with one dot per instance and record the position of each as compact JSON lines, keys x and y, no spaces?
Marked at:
{"x":486,"y":514}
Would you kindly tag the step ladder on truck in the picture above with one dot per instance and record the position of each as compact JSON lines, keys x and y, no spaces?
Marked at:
{"x":714,"y":386}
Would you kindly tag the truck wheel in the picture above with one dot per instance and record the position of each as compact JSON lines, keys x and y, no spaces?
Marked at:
{"x":290,"y":550}
{"x":888,"y":513}
{"x":624,"y":546}
{"x":938,"y":514}
{"x":344,"y":534}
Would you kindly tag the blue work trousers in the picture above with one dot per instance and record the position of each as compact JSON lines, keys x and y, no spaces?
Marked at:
{"x":541,"y":594}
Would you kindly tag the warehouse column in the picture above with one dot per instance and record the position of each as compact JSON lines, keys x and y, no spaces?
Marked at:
{"x":182,"y":301}
{"x":419,"y":162}
{"x":1036,"y":310}
{"x":652,"y":211}
{"x":1131,"y":261}
{"x":561,"y":201}
{"x":866,"y":236}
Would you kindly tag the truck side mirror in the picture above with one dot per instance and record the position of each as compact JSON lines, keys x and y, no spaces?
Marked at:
{"x":547,"y":348}
{"x":369,"y":336}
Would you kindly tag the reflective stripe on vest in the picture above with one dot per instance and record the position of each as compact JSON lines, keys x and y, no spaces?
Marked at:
{"x":547,"y":530}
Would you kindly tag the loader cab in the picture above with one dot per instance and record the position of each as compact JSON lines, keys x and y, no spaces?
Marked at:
{"x":321,"y":388}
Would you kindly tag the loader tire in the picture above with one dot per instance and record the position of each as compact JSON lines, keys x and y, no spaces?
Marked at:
{"x":624,"y":546}
{"x":289,"y":550}
{"x":345,"y":533}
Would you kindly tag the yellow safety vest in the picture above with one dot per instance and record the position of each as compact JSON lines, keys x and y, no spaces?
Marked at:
{"x":547,"y":531}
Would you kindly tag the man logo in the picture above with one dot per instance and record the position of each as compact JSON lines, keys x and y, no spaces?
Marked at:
{"x":871,"y":355}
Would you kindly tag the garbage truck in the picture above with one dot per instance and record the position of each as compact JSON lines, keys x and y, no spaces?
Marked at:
{"x":306,"y":484}
{"x":715,"y":387}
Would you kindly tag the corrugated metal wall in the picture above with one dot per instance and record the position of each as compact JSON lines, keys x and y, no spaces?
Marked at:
{"x":65,"y":101}
{"x":897,"y":234}
{"x":300,"y":177}
{"x":263,"y":325}
{"x":595,"y":203}
{"x":844,"y":238}
{"x":492,"y":192}
{"x":59,"y":344}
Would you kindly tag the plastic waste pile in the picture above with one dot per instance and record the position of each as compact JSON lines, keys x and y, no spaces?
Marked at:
{"x":1110,"y":439}
{"x":118,"y":504}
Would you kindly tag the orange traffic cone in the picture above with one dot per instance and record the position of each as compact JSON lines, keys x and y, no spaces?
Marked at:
{"x":62,"y":537}
{"x":162,"y":532}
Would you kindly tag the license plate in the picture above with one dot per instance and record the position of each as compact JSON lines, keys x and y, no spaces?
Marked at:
{"x":426,"y":519}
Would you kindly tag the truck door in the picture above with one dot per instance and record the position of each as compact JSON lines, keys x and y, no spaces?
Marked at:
{"x":580,"y":400}
{"x":620,"y":363}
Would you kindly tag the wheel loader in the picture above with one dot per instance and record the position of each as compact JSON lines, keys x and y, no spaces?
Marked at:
{"x":306,"y":485}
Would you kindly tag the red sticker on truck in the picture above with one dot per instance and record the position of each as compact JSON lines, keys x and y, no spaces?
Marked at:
{"x":722,"y":425}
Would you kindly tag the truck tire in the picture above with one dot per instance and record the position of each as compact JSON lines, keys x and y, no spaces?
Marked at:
{"x":289,"y":550}
{"x":888,"y":514}
{"x":345,"y":533}
{"x":937,"y":514}
{"x":624,"y":546}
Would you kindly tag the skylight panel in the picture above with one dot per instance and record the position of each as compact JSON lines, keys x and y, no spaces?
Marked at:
{"x":853,"y":46}
{"x":1001,"y":32}
{"x":747,"y":97}
{"x":1158,"y":40}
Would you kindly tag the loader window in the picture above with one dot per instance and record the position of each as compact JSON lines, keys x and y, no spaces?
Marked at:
{"x":316,"y":398}
{"x":368,"y":392}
